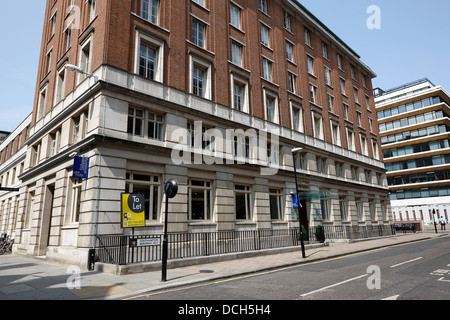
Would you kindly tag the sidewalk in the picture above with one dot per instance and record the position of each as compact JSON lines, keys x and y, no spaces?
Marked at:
{"x":24,"y":278}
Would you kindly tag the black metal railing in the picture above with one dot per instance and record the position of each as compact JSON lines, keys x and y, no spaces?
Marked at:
{"x":123,"y":250}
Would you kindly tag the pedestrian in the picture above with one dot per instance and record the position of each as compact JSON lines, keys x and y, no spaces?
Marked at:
{"x":442,"y":223}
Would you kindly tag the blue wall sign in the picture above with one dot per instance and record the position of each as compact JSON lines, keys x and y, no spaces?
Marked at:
{"x":81,"y":167}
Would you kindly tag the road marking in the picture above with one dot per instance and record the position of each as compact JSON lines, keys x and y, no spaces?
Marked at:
{"x":333,"y":285}
{"x":392,"y":298}
{"x":402,"y":263}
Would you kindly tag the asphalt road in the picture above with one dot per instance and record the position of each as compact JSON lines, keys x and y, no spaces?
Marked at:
{"x":414,"y":271}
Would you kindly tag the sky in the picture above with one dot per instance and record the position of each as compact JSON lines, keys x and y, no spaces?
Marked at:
{"x":408,"y":40}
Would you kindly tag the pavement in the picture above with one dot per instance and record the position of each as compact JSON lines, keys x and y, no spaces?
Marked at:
{"x":24,"y":278}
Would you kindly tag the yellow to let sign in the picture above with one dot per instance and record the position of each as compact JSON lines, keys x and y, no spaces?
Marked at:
{"x":133,"y":210}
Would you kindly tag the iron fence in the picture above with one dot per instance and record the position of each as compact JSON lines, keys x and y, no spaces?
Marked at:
{"x":123,"y":250}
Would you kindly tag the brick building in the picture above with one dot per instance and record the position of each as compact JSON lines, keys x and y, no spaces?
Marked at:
{"x":147,"y":89}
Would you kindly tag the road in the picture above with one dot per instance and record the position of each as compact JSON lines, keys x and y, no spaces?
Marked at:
{"x":414,"y":271}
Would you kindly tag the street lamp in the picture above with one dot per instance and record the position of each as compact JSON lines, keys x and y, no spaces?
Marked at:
{"x":294,"y":151}
{"x":434,"y":222}
{"x":170,"y":189}
{"x":77,"y":69}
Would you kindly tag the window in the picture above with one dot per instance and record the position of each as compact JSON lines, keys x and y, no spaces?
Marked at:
{"x":53,"y":22}
{"x":242,"y":202}
{"x":67,"y":36}
{"x":364,"y":149}
{"x":287,"y":21}
{"x":339,"y":61}
{"x":60,"y":85}
{"x":30,"y":210}
{"x":198,"y":33}
{"x":297,"y":117}
{"x":276,"y":209}
{"x":267,"y":69}
{"x":35,"y":154}
{"x":330,"y":103}
{"x":93,"y":5}
{"x":335,"y":136}
{"x":343,"y":207}
{"x":263,"y":6}
{"x":307,"y":37}
{"x":49,"y":60}
{"x":137,"y":119}
{"x":355,"y":94}
{"x":359,"y":208}
{"x":352,"y":71}
{"x":291,"y":82}
{"x":42,"y":103}
{"x":342,"y":82}
{"x":345,"y":107}
{"x":200,"y":78}
{"x":358,"y":118}
{"x":135,"y":122}
{"x":74,"y":201}
{"x":340,"y":173}
{"x":300,"y":161}
{"x":350,"y":140}
{"x":199,"y":200}
{"x":239,"y":94}
{"x":289,"y":51}
{"x":147,"y":61}
{"x":155,"y":129}
{"x":375,"y":149}
{"x":150,"y":10}
{"x":265,"y":35}
{"x":312,"y":93}
{"x":150,"y":186}
{"x":325,"y":208}
{"x":54,"y":143}
{"x":271,"y":104}
{"x":200,"y":2}
{"x":85,"y":60}
{"x":79,"y":129}
{"x":322,"y":165}
{"x":236,"y":53}
{"x":328,"y":76}
{"x":310,"y":61}
{"x":235,"y":16}
{"x":317,"y":125}
{"x":324,"y":50}
{"x":149,"y":57}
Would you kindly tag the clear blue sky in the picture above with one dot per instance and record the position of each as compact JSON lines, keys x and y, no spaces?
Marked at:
{"x":413,"y":43}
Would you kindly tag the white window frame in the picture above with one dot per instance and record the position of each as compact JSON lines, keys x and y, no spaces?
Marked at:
{"x":60,"y":87}
{"x":335,"y":132}
{"x":317,"y":116}
{"x":247,"y":193}
{"x":299,"y":125}
{"x":235,"y":16}
{"x":275,"y":116}
{"x":243,"y":84}
{"x":150,"y":17}
{"x":83,"y":62}
{"x":276,"y":193}
{"x":195,"y":62}
{"x":159,"y":60}
{"x":207,"y":194}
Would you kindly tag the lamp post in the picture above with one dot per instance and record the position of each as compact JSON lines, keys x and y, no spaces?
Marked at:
{"x":170,"y":189}
{"x":434,"y":222}
{"x":76,"y":69}
{"x":294,"y":151}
